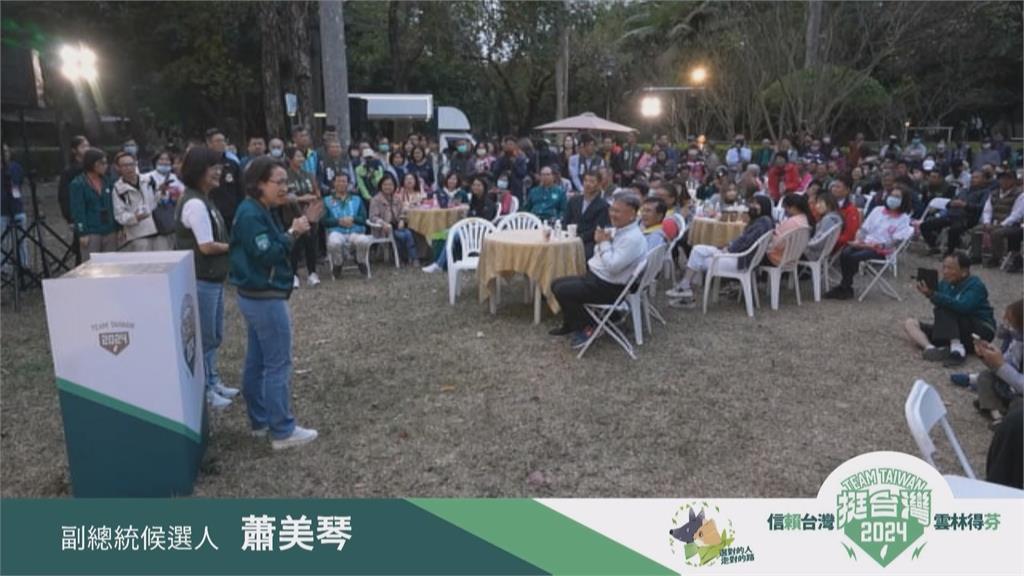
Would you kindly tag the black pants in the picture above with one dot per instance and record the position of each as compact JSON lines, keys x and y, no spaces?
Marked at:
{"x":305,"y":245}
{"x":952,"y":326}
{"x":1003,"y":238}
{"x":957,"y":225}
{"x":575,"y":291}
{"x":849,"y":262}
{"x":1005,"y":465}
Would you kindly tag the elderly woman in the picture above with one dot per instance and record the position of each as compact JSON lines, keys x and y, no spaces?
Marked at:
{"x":261,"y":270}
{"x":387,"y":216}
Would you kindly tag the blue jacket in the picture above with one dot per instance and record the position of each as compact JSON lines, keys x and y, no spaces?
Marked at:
{"x":751,"y":233}
{"x":968,"y":298}
{"x":260,"y":253}
{"x":335,"y":209}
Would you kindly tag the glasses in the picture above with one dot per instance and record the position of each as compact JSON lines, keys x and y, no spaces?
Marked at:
{"x":279,"y":181}
{"x":128,"y":164}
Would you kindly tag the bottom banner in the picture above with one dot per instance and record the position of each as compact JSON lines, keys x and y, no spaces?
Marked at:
{"x":880,"y":513}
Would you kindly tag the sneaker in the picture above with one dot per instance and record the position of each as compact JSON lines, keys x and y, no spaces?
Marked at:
{"x":259,"y":432}
{"x":313,"y":280}
{"x":935,"y":354}
{"x":953,"y":360}
{"x":432,"y":269}
{"x":679,"y":292}
{"x":684,"y":303}
{"x":299,"y":437}
{"x":225,"y":391}
{"x":216,"y":401}
{"x":962,"y":380}
{"x":562,"y":330}
{"x":579,"y":339}
{"x":295,"y":284}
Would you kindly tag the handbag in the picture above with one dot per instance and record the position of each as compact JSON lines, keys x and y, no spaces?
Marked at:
{"x":163,"y":217}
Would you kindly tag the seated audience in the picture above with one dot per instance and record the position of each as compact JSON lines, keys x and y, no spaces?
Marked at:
{"x":798,"y":215}
{"x":961,"y":214}
{"x":1005,"y":464}
{"x":548,"y":200}
{"x":1001,"y":385}
{"x":840,"y":189}
{"x":1000,"y":221}
{"x":827,"y":216}
{"x":344,"y":220}
{"x":387,"y":216}
{"x":652,"y":214}
{"x":481,"y":205}
{"x":588,"y":211}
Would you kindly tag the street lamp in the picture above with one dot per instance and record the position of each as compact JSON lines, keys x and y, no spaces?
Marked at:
{"x":650,"y":107}
{"x":78,"y":63}
{"x":698,"y":75}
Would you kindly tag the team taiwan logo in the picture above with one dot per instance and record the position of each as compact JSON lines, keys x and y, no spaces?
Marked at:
{"x":883,"y":511}
{"x":188,"y":333}
{"x":704,"y":537}
{"x":114,"y":342}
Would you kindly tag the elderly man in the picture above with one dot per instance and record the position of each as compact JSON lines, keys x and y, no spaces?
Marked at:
{"x":738,"y":155}
{"x":1000,"y":221}
{"x":615,"y":258}
{"x":586,"y":160}
{"x":652,"y":215}
{"x":588,"y":211}
{"x":961,"y":309}
{"x":548,"y":200}
{"x":962,"y":213}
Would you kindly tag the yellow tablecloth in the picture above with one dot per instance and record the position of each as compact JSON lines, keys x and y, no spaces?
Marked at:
{"x":714,"y":232}
{"x":526,"y":252}
{"x":429,"y":221}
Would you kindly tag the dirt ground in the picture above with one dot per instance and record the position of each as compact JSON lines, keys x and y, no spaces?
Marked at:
{"x":413,"y":397}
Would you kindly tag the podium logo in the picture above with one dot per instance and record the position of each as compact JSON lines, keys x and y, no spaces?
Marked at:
{"x":114,"y":342}
{"x":188,"y":333}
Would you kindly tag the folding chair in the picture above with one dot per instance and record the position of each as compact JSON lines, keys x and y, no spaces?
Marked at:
{"x":879,"y":266}
{"x":923,"y":409}
{"x":794,"y":243}
{"x":824,"y":260}
{"x":602,"y":313}
{"x":640,"y":300}
{"x":746,"y":277}
{"x":470,"y":233}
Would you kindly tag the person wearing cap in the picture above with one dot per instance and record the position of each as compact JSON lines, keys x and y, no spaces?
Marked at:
{"x":368,"y":174}
{"x":1000,"y":220}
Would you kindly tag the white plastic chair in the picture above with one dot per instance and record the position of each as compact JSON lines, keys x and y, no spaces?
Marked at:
{"x":513,"y":207}
{"x":470,"y":232}
{"x":520,"y":221}
{"x":746,"y":277}
{"x":389,"y":239}
{"x":794,"y":243}
{"x":670,"y":264}
{"x":602,"y":313}
{"x":641,"y":300}
{"x":820,"y":265}
{"x":924,"y":409}
{"x":879,"y":266}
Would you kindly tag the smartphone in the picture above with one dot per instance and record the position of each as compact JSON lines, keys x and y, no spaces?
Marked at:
{"x":929,"y":276}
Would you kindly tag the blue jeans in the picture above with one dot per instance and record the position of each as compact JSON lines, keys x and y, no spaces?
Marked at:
{"x":211,"y":323}
{"x":21,"y":221}
{"x":442,"y":255}
{"x":406,"y":243}
{"x":266,"y":377}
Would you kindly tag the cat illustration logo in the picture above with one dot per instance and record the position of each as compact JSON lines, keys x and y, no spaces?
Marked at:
{"x":188,"y":333}
{"x":703,"y":542}
{"x":114,"y":342}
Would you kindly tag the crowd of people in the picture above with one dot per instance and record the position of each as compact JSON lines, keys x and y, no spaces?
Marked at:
{"x":254,"y":220}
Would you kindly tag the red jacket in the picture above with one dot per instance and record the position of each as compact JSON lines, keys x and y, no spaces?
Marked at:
{"x":851,"y":224}
{"x":789,"y":174}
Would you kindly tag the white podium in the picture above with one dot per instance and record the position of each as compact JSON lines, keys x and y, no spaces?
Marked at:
{"x":127,"y":354}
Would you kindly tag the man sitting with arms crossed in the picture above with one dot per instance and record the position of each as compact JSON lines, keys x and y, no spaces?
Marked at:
{"x":588,"y":211}
{"x":616,"y":256}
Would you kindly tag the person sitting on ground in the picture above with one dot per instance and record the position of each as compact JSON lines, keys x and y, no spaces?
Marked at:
{"x":588,"y":211}
{"x":847,"y":209}
{"x":881,"y":232}
{"x":547,"y":201}
{"x":344,"y":220}
{"x":481,"y":205}
{"x":1000,"y":221}
{"x":961,"y":310}
{"x":962,"y":213}
{"x":387,"y":216}
{"x":827,"y":216}
{"x":652,"y":215}
{"x":798,"y":215}
{"x":615,"y":258}
{"x":759,"y":212}
{"x":1000,"y":386}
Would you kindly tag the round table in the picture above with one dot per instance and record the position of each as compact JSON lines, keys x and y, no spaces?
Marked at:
{"x":714,"y":232}
{"x":429,"y":221}
{"x":508,"y":252}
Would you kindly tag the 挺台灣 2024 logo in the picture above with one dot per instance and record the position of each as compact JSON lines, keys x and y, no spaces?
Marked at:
{"x":704,"y":537}
{"x":883,"y":511}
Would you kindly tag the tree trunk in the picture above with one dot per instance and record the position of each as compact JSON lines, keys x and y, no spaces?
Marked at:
{"x":298,"y":28}
{"x":334,"y":59}
{"x":273,"y":109}
{"x":813,"y":38}
{"x":562,"y":68}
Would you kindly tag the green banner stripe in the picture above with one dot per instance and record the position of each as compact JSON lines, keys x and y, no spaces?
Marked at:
{"x":542,"y":537}
{"x":126,"y":408}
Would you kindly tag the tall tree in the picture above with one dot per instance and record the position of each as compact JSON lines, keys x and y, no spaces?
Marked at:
{"x":273,"y":108}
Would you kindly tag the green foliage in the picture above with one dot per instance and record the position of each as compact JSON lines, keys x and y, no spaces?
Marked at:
{"x":867,"y":98}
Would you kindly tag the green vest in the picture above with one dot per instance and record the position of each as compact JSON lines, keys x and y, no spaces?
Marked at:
{"x":208,"y":268}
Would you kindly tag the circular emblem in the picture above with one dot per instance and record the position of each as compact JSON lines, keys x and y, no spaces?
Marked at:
{"x":188,"y":333}
{"x":697,"y":536}
{"x":229,"y":177}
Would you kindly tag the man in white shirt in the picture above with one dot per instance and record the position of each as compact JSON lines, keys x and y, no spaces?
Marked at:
{"x":616,"y":255}
{"x":739,"y":155}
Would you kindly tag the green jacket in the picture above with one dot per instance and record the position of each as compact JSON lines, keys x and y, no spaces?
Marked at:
{"x":968,"y":298}
{"x":546,"y":203}
{"x":260,"y":253}
{"x":367,"y":180}
{"x":92,"y":213}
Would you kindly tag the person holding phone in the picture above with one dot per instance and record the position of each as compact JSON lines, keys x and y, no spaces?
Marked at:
{"x":961,"y":309}
{"x":92,"y":206}
{"x":1001,"y":385}
{"x":261,"y":269}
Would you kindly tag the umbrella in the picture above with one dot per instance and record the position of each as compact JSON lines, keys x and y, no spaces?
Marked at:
{"x":586,"y":122}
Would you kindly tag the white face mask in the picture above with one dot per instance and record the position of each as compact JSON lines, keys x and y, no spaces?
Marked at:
{"x":503,"y":184}
{"x":481,"y":152}
{"x":893,"y":202}
{"x":276,"y":152}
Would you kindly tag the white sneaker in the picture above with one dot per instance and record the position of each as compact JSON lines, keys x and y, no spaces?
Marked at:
{"x":299,"y":437}
{"x":295,"y":284}
{"x":225,"y":391}
{"x":679,"y":292}
{"x":433,"y":268}
{"x":216,"y":401}
{"x":313,"y":280}
{"x":261,"y":433}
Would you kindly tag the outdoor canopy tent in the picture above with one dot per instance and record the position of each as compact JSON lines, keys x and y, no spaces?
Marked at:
{"x":586,"y":122}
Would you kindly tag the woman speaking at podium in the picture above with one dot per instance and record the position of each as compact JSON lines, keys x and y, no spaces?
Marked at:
{"x":261,"y":269}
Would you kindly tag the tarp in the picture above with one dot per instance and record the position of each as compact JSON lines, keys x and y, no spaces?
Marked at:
{"x":586,"y":122}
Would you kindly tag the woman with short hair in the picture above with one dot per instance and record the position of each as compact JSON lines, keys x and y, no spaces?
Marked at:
{"x":92,"y":206}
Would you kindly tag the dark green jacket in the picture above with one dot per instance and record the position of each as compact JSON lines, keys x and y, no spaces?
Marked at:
{"x":260,"y":253}
{"x":209,"y":268}
{"x":92,"y":213}
{"x":968,"y":297}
